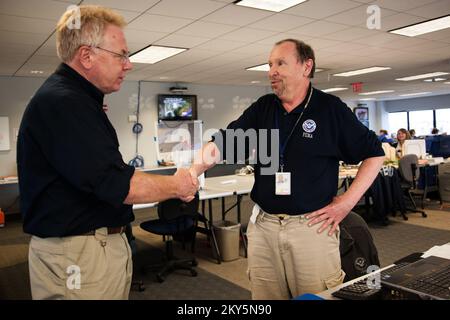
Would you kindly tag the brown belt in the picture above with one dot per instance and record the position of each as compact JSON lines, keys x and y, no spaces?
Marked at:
{"x":111,"y":230}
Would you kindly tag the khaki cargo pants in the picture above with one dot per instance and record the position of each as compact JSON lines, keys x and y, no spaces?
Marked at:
{"x":80,"y":267}
{"x":287,"y":258}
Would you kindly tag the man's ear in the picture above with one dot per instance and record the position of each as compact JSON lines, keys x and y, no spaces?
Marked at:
{"x":308,"y":67}
{"x":85,"y":57}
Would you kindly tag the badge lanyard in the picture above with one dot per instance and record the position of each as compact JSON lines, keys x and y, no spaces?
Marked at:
{"x":282,"y":146}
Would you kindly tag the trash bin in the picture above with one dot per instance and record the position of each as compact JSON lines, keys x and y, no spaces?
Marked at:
{"x":227,"y":234}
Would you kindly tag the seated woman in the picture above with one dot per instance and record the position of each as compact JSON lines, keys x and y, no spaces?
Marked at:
{"x":402,"y":135}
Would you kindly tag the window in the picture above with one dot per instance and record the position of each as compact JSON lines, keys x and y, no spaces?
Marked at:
{"x":443,"y":120}
{"x":421,"y":121}
{"x":397,"y":120}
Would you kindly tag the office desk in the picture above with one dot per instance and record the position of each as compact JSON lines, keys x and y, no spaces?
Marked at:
{"x":237,"y":185}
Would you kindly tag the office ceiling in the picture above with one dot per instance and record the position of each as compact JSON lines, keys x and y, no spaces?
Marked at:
{"x":223,"y":39}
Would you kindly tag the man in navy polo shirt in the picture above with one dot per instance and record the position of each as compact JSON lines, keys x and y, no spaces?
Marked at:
{"x":288,"y":253}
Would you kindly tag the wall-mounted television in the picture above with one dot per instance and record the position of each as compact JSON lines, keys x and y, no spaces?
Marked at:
{"x":177,"y":107}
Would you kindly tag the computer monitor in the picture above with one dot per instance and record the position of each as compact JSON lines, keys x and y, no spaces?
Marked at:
{"x":416,"y":146}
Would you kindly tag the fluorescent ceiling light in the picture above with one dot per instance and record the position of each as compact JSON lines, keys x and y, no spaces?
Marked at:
{"x":255,"y":81}
{"x":262,"y":67}
{"x":414,"y":94}
{"x":334,"y":89}
{"x":367,"y":99}
{"x":271,"y":5}
{"x":153,"y":54}
{"x":447,"y":82}
{"x":422,"y":76}
{"x":361,"y":71}
{"x":36,"y":71}
{"x":424,"y":27}
{"x":376,"y":92}
{"x":265,"y":67}
{"x":434,"y":79}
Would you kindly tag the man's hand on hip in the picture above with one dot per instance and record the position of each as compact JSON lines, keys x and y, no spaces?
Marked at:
{"x":330,"y":215}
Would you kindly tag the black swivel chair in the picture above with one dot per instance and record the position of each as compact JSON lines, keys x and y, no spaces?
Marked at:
{"x":176,"y":218}
{"x":357,"y":248}
{"x":409,"y":173}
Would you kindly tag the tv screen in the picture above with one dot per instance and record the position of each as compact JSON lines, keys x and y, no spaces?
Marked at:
{"x":177,"y":107}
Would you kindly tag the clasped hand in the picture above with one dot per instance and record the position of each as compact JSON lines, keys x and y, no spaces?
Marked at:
{"x":187,"y":184}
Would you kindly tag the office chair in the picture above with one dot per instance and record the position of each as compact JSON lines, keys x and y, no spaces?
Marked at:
{"x":176,"y":218}
{"x":356,"y":247}
{"x":409,"y":174}
{"x":444,"y":184}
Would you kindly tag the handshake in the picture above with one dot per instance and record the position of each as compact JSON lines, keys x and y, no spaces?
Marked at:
{"x":187,"y":184}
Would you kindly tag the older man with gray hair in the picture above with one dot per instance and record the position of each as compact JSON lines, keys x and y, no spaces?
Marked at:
{"x":76,"y":191}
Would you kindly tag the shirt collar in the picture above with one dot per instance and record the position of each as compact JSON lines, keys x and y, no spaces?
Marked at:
{"x":65,"y":70}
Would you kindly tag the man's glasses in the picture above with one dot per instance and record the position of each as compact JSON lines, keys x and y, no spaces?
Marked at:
{"x":124,"y":57}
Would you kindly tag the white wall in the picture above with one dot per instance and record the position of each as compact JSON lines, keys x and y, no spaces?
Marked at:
{"x":15,"y":94}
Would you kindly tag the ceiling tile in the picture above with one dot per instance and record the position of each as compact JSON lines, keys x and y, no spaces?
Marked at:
{"x":432,"y":10}
{"x":21,"y":24}
{"x":206,"y":29}
{"x":319,"y":9}
{"x":135,"y":5}
{"x":192,"y":9}
{"x":270,"y":41}
{"x":401,"y":5}
{"x":236,"y":15}
{"x":42,"y":9}
{"x":181,"y":41}
{"x":140,"y":36}
{"x":358,"y":16}
{"x":221,"y":45}
{"x":156,"y":23}
{"x":318,"y":28}
{"x":247,"y":35}
{"x":399,"y":20}
{"x":22,"y":37}
{"x":351,"y":34}
{"x":280,"y":22}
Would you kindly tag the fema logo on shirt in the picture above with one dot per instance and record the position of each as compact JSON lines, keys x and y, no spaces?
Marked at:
{"x":309,"y":126}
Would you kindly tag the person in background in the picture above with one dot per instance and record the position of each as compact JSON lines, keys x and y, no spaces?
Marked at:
{"x":412,"y":133}
{"x":402,"y":136}
{"x":435,"y":131}
{"x":293,"y":236}
{"x":384,"y":136}
{"x":76,"y":192}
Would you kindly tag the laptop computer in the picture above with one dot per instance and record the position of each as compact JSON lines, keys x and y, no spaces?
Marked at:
{"x":428,"y":278}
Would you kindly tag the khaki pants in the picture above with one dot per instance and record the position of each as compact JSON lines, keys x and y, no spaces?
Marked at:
{"x":80,"y":267}
{"x":287,"y":258}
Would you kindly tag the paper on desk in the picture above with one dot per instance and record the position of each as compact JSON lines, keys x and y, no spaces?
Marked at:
{"x":438,"y":251}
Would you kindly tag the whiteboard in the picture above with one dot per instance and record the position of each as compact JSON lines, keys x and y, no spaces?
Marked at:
{"x":4,"y":134}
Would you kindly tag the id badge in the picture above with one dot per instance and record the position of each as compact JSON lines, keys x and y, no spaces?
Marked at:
{"x":283,"y":183}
